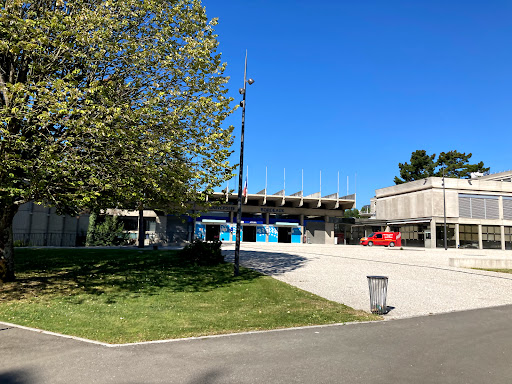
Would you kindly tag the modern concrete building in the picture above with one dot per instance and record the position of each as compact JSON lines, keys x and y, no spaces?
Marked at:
{"x":275,"y":218}
{"x":478,"y":211}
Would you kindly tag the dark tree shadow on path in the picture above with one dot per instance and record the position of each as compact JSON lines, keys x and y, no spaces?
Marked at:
{"x":269,"y":263}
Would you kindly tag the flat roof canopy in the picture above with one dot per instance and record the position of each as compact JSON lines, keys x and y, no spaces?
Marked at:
{"x":296,"y":204}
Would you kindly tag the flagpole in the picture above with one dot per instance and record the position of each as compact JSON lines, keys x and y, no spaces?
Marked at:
{"x":266,"y":180}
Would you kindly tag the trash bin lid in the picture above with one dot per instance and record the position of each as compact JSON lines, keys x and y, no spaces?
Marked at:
{"x":377,"y":277}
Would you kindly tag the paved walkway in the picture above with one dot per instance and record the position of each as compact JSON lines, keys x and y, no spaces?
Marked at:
{"x":421,"y":282}
{"x":455,"y":348}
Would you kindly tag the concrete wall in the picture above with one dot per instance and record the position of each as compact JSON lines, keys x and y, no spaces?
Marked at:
{"x":37,"y":225}
{"x":315,"y":233}
{"x":424,"y":198}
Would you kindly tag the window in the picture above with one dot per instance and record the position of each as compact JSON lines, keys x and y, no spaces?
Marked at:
{"x":508,"y":237}
{"x":507,"y":208}
{"x":150,"y":224}
{"x":355,"y":234}
{"x":478,"y":206}
{"x":450,"y":235}
{"x":130,"y":223}
{"x":413,"y":235}
{"x":491,"y":237}
{"x":468,"y":236}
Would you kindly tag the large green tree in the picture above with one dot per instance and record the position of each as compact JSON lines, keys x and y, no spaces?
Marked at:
{"x":107,"y":103}
{"x":421,"y":166}
{"x":450,"y":164}
{"x":354,"y":212}
{"x":456,"y":164}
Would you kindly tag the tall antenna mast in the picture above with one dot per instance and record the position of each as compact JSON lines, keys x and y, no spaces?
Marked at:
{"x":355,"y":190}
{"x":266,"y":180}
{"x":338,"y":190}
{"x":302,"y":186}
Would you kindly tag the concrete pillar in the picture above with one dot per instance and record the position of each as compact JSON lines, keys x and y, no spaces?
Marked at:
{"x":433,"y":233}
{"x":77,"y":229}
{"x":193,"y":232}
{"x":480,"y":243}
{"x":302,"y":228}
{"x":30,"y":219}
{"x":47,"y":229}
{"x":231,"y":215}
{"x":457,"y":239}
{"x":63,"y":228}
{"x":502,"y":230}
{"x":267,"y":222}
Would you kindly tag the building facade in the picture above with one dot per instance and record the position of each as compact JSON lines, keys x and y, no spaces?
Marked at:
{"x":266,"y":218}
{"x":275,"y":218}
{"x":478,"y":211}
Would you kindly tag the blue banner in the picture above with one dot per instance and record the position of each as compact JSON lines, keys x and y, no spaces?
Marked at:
{"x":200,"y":232}
{"x":272,"y":234}
{"x":296,"y":235}
{"x":261,"y":234}
{"x":225,"y":234}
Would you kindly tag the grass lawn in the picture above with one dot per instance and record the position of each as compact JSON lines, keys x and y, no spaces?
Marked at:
{"x":127,"y":295}
{"x":495,"y":270}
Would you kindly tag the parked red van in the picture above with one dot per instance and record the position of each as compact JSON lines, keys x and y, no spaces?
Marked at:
{"x":389,"y":239}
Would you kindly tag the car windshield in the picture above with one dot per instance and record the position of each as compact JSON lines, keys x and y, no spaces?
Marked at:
{"x":371,"y":235}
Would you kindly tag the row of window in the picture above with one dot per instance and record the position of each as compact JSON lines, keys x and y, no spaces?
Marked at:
{"x":468,"y":236}
{"x":484,"y":207}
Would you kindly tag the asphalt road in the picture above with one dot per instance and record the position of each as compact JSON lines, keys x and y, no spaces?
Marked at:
{"x":461,"y":347}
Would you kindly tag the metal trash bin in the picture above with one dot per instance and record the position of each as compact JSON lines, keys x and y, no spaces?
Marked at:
{"x":378,"y":289}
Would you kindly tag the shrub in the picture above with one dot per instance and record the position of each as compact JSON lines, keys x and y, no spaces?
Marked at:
{"x":108,"y":231}
{"x":202,"y":253}
{"x":20,"y":243}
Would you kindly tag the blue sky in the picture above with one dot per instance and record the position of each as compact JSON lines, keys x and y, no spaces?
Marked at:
{"x":356,"y":86}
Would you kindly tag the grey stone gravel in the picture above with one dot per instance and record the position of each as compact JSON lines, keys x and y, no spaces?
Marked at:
{"x":421,"y":282}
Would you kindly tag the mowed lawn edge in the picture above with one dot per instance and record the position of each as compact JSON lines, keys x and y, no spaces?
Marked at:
{"x":499,"y":270}
{"x":127,"y":295}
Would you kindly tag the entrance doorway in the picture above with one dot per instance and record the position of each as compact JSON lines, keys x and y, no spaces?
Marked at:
{"x":284,"y":235}
{"x":212,"y":232}
{"x":249,"y":233}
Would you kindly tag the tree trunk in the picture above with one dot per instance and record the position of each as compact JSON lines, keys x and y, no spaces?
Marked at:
{"x":6,"y":241}
{"x":142,"y":232}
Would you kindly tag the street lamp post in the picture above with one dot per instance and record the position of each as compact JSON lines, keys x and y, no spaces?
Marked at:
{"x":444,"y":209}
{"x":240,"y":175}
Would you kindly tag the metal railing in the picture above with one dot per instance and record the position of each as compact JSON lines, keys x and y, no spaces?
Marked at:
{"x":49,"y":239}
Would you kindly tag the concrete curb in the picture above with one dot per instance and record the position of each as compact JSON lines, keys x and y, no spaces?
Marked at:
{"x":480,"y":262}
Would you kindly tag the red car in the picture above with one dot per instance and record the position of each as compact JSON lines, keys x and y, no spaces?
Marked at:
{"x":389,"y":239}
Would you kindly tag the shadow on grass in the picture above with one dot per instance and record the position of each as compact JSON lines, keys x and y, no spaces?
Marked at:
{"x":117,"y":272}
{"x":269,"y":263}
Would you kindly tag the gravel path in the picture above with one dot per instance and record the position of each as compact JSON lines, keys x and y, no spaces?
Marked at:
{"x":421,"y":282}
